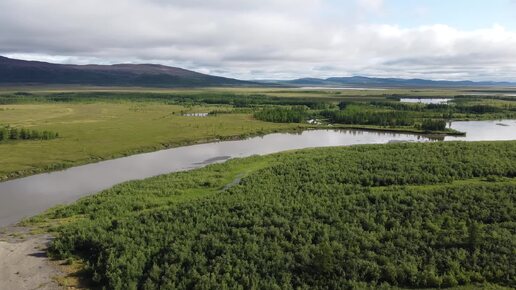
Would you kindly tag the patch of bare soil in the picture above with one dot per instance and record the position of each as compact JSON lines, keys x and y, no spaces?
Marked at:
{"x":23,"y":260}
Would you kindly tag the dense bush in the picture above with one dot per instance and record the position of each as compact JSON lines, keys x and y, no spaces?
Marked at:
{"x":343,"y":105}
{"x":391,"y":118}
{"x":283,"y":115}
{"x":478,"y":109}
{"x":433,"y":125}
{"x":399,"y":105}
{"x":411,"y":215}
{"x":440,"y":107}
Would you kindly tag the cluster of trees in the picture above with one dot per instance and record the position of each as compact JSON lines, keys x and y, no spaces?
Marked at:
{"x":433,"y":125}
{"x":315,"y":219}
{"x":390,"y":118}
{"x":439,"y":107}
{"x":460,"y":106}
{"x":478,"y":109}
{"x":399,"y":106}
{"x":10,"y":133}
{"x":296,"y":114}
{"x":343,"y":105}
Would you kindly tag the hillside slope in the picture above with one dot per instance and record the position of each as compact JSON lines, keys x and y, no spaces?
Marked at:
{"x":367,"y":82}
{"x":15,"y":72}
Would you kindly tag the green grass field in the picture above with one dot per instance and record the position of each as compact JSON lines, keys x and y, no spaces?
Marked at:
{"x":102,"y":130}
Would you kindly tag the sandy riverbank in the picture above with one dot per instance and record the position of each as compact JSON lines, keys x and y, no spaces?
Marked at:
{"x":23,"y":261}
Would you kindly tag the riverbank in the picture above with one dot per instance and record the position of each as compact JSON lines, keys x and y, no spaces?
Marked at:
{"x":147,"y":149}
{"x":24,"y":261}
{"x":438,"y":135}
{"x":102,"y":130}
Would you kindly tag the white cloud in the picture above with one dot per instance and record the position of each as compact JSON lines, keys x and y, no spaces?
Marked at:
{"x":249,"y":39}
{"x":375,"y":5}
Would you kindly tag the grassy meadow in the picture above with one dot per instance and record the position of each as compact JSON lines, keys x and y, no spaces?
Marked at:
{"x":102,"y":130}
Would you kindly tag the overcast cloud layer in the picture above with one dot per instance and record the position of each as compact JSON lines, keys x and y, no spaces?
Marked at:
{"x":249,"y":39}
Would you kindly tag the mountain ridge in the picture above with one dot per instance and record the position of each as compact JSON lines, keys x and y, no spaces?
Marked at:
{"x":388,"y":82}
{"x":15,"y":71}
{"x":23,"y":72}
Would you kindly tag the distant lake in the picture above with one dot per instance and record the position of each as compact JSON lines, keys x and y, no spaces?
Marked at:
{"x":490,"y":94}
{"x":31,"y":195}
{"x":340,"y":88}
{"x":425,"y":100}
{"x":484,"y":130}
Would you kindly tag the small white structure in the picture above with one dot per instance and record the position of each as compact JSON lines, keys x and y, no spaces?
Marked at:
{"x":196,"y":115}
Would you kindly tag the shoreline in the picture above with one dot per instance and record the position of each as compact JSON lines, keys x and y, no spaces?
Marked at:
{"x":148,"y":149}
{"x":63,"y":166}
{"x":24,"y":261}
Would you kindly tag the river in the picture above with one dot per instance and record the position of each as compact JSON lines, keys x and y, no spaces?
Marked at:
{"x":31,"y":195}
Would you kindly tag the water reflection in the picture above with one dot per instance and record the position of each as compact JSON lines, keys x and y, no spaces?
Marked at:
{"x":484,"y":130}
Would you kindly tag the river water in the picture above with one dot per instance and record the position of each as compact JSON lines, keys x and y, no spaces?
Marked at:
{"x":31,"y":195}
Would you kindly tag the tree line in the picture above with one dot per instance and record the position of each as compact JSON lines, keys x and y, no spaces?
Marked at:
{"x":295,"y":114}
{"x":390,"y":118}
{"x":11,"y":133}
{"x":433,"y":125}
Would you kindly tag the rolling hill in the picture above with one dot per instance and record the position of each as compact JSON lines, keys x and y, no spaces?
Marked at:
{"x":367,"y":82}
{"x":22,"y":72}
{"x":17,"y":72}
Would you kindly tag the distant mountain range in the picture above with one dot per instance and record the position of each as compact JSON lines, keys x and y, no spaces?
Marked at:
{"x":21,"y":72}
{"x":16,"y":72}
{"x":367,"y":82}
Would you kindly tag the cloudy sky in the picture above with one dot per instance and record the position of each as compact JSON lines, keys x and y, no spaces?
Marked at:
{"x":274,"y":39}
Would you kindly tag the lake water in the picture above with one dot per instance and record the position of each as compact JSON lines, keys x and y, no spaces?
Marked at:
{"x":484,"y":130}
{"x":341,"y":88}
{"x":30,"y":195}
{"x":425,"y":100}
{"x":500,"y":94}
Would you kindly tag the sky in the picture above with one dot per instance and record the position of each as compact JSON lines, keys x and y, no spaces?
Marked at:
{"x":272,"y":39}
